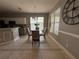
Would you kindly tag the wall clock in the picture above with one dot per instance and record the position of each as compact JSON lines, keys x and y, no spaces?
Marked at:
{"x":70,"y":13}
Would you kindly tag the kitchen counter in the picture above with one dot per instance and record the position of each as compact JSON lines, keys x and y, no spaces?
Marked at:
{"x":7,"y":34}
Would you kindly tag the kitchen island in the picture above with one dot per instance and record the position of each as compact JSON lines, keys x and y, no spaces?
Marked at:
{"x":7,"y":34}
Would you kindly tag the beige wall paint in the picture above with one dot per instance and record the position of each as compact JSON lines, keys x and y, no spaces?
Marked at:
{"x":18,"y":20}
{"x":26,"y":15}
{"x":71,"y":41}
{"x":45,"y":15}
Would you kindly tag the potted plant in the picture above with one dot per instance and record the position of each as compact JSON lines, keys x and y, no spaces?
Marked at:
{"x":36,"y":24}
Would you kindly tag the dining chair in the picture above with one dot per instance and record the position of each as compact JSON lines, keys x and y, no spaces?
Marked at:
{"x":44,"y":33}
{"x":35,"y":37}
{"x":29,"y":32}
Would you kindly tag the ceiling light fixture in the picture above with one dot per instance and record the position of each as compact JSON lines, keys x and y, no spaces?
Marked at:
{"x":20,"y":8}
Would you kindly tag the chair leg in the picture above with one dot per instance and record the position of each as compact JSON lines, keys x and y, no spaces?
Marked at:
{"x":39,"y":44}
{"x":44,"y":37}
{"x":32,"y":43}
{"x":28,"y":37}
{"x":36,"y":43}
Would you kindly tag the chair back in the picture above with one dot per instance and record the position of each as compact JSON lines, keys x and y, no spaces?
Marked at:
{"x":45,"y":30}
{"x":28,"y":31}
{"x":35,"y":35}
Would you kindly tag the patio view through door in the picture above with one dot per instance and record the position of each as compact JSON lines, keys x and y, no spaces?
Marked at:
{"x":36,"y":20}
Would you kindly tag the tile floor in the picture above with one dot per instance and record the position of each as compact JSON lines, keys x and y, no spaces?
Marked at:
{"x":22,"y":49}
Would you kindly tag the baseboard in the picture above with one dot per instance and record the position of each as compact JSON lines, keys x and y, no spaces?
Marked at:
{"x":64,"y":49}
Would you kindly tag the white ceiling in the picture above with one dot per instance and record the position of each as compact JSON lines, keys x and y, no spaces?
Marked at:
{"x":31,"y":6}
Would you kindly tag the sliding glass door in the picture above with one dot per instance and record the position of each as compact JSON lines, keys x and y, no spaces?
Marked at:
{"x":36,"y":21}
